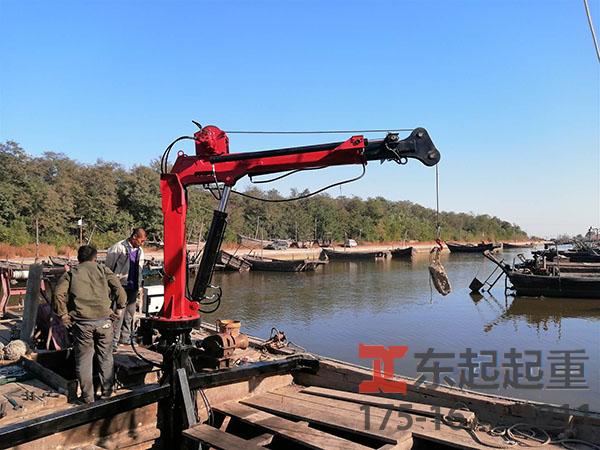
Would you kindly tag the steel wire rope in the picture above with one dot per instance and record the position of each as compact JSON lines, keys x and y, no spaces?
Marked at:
{"x":284,"y":175}
{"x":301,"y":197}
{"x":317,"y":131}
{"x":513,"y":435}
{"x":589,"y":18}
{"x":438,"y":227}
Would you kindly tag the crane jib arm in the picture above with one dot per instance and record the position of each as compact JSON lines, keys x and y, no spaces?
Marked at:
{"x":213,"y":163}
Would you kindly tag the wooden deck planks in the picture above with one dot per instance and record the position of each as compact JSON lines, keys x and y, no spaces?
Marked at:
{"x":262,"y":440}
{"x":219,"y":439}
{"x":294,"y":431}
{"x":387,"y":403}
{"x":304,"y":410}
{"x":422,"y":427}
{"x":351,"y":417}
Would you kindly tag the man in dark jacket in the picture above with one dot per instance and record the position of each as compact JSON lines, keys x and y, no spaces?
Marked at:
{"x":126,"y":260}
{"x":82,"y":299}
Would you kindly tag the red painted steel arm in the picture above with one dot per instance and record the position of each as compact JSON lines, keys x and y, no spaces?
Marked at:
{"x":228,"y":169}
{"x":213,"y":163}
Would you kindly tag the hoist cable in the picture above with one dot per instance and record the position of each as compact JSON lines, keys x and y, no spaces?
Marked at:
{"x":437,"y":272}
{"x":317,"y":131}
{"x":589,"y":18}
{"x":284,"y":175}
{"x":437,"y":203}
{"x":300,"y":197}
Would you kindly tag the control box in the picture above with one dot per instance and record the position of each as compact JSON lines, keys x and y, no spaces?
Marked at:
{"x":154,"y":297}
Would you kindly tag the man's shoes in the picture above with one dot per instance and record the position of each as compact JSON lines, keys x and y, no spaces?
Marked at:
{"x":84,"y":400}
{"x":106,"y":395}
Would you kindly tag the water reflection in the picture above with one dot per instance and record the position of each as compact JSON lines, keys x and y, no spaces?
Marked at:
{"x":545,"y":313}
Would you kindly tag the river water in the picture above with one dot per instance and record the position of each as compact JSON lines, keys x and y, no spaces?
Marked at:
{"x":391,"y":303}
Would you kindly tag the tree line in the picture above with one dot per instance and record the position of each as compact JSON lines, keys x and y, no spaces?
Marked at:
{"x":56,"y":191}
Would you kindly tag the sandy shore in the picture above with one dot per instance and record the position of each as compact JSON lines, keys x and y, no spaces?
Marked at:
{"x":290,"y":253}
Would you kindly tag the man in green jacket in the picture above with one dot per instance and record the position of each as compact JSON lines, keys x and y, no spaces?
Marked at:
{"x":82,"y":299}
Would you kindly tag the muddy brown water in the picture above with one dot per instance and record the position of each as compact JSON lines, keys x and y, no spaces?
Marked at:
{"x":391,"y":303}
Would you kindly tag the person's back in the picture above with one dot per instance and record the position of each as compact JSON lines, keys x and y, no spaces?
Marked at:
{"x":89,"y":296}
{"x":82,"y":300}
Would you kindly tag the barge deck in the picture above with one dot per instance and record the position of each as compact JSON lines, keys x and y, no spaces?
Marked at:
{"x":280,"y":399}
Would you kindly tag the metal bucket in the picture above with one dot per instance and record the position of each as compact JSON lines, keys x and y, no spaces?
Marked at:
{"x":231,"y":327}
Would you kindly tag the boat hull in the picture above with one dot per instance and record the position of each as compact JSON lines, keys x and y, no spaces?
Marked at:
{"x":402,"y":252}
{"x":479,"y":248}
{"x":555,"y":286}
{"x":232,"y":262}
{"x":282,"y":265}
{"x":353,"y":256}
{"x":248,"y":242}
{"x":508,"y":245}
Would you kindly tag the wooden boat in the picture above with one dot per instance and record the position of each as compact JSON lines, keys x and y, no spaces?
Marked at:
{"x":455,"y":247}
{"x":59,"y":261}
{"x":564,"y":267}
{"x":249,"y":242}
{"x":581,"y":256}
{"x":232,"y":262}
{"x":511,"y":245}
{"x":283,"y":265}
{"x":346,"y":255}
{"x":564,"y":285}
{"x":405,"y":252}
{"x":293,"y":400}
{"x":530,"y":279}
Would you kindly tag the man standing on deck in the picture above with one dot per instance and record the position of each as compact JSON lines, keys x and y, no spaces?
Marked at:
{"x":126,"y":260}
{"x":82,"y":299}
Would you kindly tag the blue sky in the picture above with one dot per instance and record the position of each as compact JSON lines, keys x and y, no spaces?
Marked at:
{"x":509,"y":90}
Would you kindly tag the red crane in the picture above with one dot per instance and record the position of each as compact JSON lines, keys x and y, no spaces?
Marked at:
{"x":213,"y":164}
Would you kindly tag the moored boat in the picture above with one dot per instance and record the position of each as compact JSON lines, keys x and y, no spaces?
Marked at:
{"x":232,"y":262}
{"x":250,"y":242}
{"x":456,"y":247}
{"x":580,"y":256}
{"x":350,"y":255}
{"x":589,"y":255}
{"x":405,"y":252}
{"x":283,"y":265}
{"x":533,"y":279}
{"x":564,"y":285}
{"x":511,"y":245}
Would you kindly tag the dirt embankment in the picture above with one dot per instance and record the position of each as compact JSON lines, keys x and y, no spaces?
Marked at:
{"x":28,"y":251}
{"x":26,"y":254}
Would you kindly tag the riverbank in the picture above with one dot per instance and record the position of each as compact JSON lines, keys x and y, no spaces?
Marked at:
{"x":26,"y":254}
